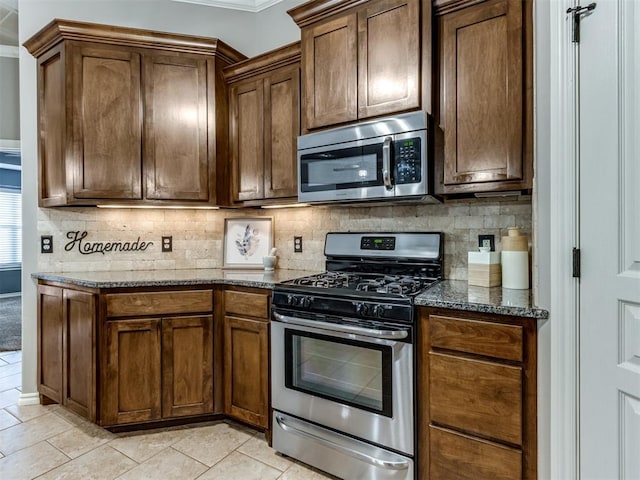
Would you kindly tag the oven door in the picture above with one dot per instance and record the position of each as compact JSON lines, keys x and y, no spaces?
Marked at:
{"x":347,"y":171}
{"x":353,"y":379}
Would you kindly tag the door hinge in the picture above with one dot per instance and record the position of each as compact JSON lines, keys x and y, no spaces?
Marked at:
{"x":576,"y":262}
{"x":577,"y":13}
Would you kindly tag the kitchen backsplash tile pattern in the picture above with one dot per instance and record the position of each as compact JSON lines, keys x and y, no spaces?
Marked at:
{"x":198,"y":234}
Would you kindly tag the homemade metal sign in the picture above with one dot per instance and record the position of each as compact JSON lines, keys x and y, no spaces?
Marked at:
{"x":77,"y":242}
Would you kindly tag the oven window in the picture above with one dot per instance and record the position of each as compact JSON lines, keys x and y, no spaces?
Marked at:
{"x":350,"y":372}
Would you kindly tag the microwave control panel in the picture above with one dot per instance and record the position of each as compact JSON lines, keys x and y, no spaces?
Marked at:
{"x":408,"y":161}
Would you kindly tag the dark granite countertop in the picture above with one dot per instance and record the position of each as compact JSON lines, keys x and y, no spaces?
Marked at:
{"x":453,"y":294}
{"x":163,"y":278}
{"x":459,"y":295}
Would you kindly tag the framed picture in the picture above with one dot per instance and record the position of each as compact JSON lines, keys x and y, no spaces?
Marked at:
{"x":246,"y":241}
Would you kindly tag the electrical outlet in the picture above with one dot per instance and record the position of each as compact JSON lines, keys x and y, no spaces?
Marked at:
{"x":487,"y":241}
{"x":297,"y":244}
{"x":167,"y":244}
{"x":46,"y":243}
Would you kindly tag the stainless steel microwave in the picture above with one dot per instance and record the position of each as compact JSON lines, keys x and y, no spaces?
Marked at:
{"x":384,"y":159}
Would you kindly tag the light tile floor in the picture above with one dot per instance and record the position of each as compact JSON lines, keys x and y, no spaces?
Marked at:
{"x":49,"y":442}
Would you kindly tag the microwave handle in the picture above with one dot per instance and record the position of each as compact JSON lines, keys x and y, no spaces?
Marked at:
{"x":386,"y":163}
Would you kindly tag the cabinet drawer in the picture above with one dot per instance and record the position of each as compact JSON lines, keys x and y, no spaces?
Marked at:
{"x":459,"y":457}
{"x":159,"y":303}
{"x":478,"y":397}
{"x":482,"y":338}
{"x":245,"y":303}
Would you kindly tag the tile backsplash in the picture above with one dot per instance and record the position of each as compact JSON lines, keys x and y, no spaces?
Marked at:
{"x":198,"y":234}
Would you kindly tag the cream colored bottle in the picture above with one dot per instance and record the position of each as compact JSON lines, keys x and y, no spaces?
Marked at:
{"x":515,"y":260}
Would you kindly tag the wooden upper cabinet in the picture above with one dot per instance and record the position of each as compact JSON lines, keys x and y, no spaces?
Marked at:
{"x":128,"y":116}
{"x":485,"y":102}
{"x":330,"y":72}
{"x":363,"y":59}
{"x":106,"y":122}
{"x":264,"y":124}
{"x":388,"y":57}
{"x":247,"y":140}
{"x":175,"y":127}
{"x":282,"y":128}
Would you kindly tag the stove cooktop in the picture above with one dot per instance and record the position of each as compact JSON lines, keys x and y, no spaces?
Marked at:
{"x":348,"y":282}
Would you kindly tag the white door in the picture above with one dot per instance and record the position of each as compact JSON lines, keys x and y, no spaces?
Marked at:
{"x":609,"y":139}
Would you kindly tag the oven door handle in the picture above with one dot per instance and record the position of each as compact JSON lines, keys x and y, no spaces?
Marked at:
{"x":385,"y":464}
{"x":336,"y":327}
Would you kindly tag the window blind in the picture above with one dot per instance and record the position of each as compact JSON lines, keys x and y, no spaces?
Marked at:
{"x":10,"y":228}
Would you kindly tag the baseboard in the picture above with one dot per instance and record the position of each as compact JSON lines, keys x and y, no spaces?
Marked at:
{"x":29,"y":399}
{"x":10,"y":295}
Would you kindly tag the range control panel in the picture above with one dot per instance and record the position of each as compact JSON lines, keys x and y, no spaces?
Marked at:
{"x":408,"y":161}
{"x":378,"y":243}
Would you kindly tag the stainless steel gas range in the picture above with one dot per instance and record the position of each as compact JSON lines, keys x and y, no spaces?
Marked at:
{"x":342,"y":355}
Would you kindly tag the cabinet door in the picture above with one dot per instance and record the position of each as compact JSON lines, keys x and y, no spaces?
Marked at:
{"x":132,"y":385}
{"x":329,"y":63}
{"x":50,"y":342}
{"x":246,"y":103}
{"x":79,"y":314}
{"x":388,"y":57}
{"x":175,"y":128}
{"x":481,"y":59}
{"x":453,"y":456}
{"x":246,"y":370}
{"x":281,"y":130}
{"x":107,"y":128}
{"x":52,"y":128}
{"x":483,"y":398}
{"x":187,"y":366}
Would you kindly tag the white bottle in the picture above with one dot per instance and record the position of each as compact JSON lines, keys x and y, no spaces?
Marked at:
{"x":515,"y":260}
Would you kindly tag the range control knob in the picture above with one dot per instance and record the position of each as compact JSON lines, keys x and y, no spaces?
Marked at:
{"x":291,"y":299}
{"x":378,"y":311}
{"x":304,"y":302}
{"x":362,"y":309}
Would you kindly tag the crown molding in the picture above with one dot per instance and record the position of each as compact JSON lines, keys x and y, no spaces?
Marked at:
{"x":244,"y":5}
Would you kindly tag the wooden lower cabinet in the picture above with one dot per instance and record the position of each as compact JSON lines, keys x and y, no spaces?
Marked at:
{"x":50,"y":349}
{"x":246,"y":356}
{"x":66,"y":357}
{"x":245,"y":367}
{"x":132,"y":388}
{"x":457,"y":456}
{"x":158,"y":368}
{"x":122,"y":357}
{"x":477,"y":388}
{"x":187,"y":366}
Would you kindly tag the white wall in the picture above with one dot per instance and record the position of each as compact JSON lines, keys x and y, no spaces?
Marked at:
{"x":238,"y":29}
{"x":9,"y":106}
